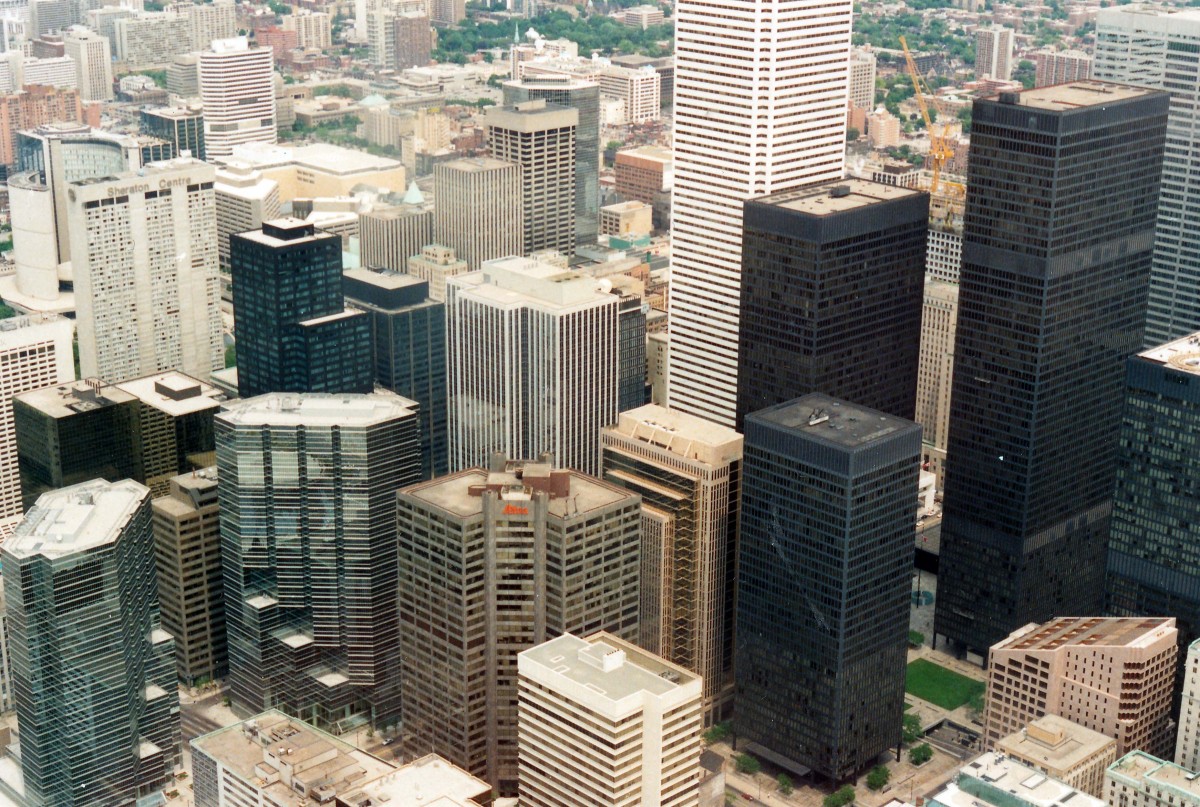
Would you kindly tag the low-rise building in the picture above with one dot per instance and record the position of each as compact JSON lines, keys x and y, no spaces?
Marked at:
{"x":1139,"y":779}
{"x":631,"y":218}
{"x":319,"y":169}
{"x":1066,"y":751}
{"x":994,"y":780}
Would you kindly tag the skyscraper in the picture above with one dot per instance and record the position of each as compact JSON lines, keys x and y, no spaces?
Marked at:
{"x":1187,"y":742}
{"x":238,"y":91}
{"x":1152,"y":47}
{"x":147,"y":287}
{"x":390,"y":234}
{"x":540,"y":137}
{"x":760,"y":107}
{"x":584,"y":97}
{"x":1153,"y":566}
{"x":994,"y":52}
{"x":408,"y":337}
{"x":532,"y":364}
{"x":93,"y":674}
{"x":832,"y":278}
{"x":492,"y":563}
{"x":479,"y":211}
{"x":308,"y":552}
{"x":1061,"y":66}
{"x":93,"y":63}
{"x":936,"y":373}
{"x":1056,"y":263}
{"x":824,"y":576}
{"x":601,"y":721}
{"x":182,"y":126}
{"x":294,"y":332}
{"x":35,"y":352}
{"x":688,"y":472}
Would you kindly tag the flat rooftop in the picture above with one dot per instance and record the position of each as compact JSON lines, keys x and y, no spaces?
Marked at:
{"x":388,"y":279}
{"x":1142,"y":769}
{"x":819,"y":417}
{"x":453,"y":493}
{"x":1183,"y":354}
{"x":317,"y":409}
{"x":1056,"y":742}
{"x":836,"y":197}
{"x":658,"y":153}
{"x":1089,"y":632}
{"x":516,"y":281}
{"x":1078,"y":95}
{"x":995,"y":779}
{"x":608,"y":667}
{"x":298,"y":231}
{"x":323,"y":157}
{"x":477,"y":164}
{"x":428,"y":782}
{"x":76,"y":518}
{"x":73,"y":398}
{"x":174,"y":393}
{"x":680,"y":433}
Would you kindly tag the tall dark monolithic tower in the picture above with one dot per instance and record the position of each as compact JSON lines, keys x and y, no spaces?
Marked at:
{"x":1057,"y":243}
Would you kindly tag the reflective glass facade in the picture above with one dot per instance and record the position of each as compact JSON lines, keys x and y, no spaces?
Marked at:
{"x":824,"y":577}
{"x":1057,"y":242}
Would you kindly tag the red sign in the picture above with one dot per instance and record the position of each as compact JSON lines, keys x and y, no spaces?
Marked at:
{"x":513,"y":510}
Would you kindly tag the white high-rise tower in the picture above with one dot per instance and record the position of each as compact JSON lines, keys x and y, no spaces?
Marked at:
{"x":760,"y":106}
{"x":237,"y":85}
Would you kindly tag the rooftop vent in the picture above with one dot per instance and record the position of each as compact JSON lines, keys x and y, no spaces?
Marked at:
{"x":840,"y":191}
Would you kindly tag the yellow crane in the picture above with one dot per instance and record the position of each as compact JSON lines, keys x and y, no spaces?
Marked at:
{"x":940,"y":151}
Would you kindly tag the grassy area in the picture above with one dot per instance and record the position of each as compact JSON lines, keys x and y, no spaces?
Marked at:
{"x":939,"y":686}
{"x":907,"y":706}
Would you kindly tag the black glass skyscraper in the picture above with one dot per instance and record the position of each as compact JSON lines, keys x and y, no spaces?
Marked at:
{"x":832,"y":287}
{"x":1057,"y":241}
{"x":408,"y":335}
{"x":824,"y":579}
{"x":293,"y":330}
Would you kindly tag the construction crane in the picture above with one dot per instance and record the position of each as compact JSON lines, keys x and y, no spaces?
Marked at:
{"x":940,"y":151}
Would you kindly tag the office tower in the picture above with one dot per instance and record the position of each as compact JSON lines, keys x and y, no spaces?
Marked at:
{"x":943,"y":257}
{"x":414,"y":39}
{"x":862,"y":79}
{"x":211,"y":21}
{"x":1030,"y":458}
{"x":1151,"y":47}
{"x":1150,"y":568}
{"x":148,"y":429}
{"x":294,"y":332}
{"x":832,"y":278}
{"x":35,"y":352}
{"x":1061,"y":67}
{"x":245,"y":199}
{"x":408,"y":337}
{"x":639,"y":88}
{"x":688,"y":473}
{"x":183,"y":76}
{"x":48,"y":16}
{"x":308,"y":551}
{"x":237,"y":88}
{"x":631,"y":349}
{"x":993,"y":780}
{"x":479,"y":209}
{"x":390,"y":234}
{"x":994,"y":53}
{"x":725,"y":152}
{"x":540,"y":137}
{"x":187,"y":541}
{"x":251,"y":760}
{"x":1187,"y":742}
{"x":182,"y":126}
{"x":93,"y":64}
{"x":1111,"y":675}
{"x":435,"y":264}
{"x":646,"y":174}
{"x":93,"y":674}
{"x":935,"y":373}
{"x":313,"y":28}
{"x":532,"y":364}
{"x":601,"y":721}
{"x":1139,"y":779}
{"x":493,"y":563}
{"x":147,"y":290}
{"x":824,"y":577}
{"x":642,"y":17}
{"x":1066,"y":751}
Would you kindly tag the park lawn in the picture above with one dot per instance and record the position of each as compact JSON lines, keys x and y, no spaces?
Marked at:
{"x":938,"y":685}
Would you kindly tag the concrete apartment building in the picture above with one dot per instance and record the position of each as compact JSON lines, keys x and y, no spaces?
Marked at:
{"x":494,"y":562}
{"x":93,"y":64}
{"x":274,"y":759}
{"x":643,"y":17}
{"x":1187,"y":741}
{"x":1111,"y":675}
{"x":213,"y":21}
{"x":245,"y":199}
{"x":34,"y":107}
{"x":151,"y":39}
{"x":994,"y":53}
{"x":935,"y":372}
{"x":993,"y":780}
{"x":688,"y":473}
{"x":601,"y":721}
{"x":187,"y":556}
{"x":1061,"y":67}
{"x":313,"y":28}
{"x":640,"y":89}
{"x":435,"y":264}
{"x":1063,"y":750}
{"x":1139,"y":779}
{"x":479,"y":211}
{"x":862,"y":79}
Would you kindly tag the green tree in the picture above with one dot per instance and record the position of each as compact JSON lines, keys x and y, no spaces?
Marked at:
{"x":747,"y":764}
{"x":718,"y":733}
{"x":840,"y":798}
{"x":916,"y":638}
{"x":910,"y":729}
{"x":851,"y":134}
{"x":785,"y":784}
{"x":976,"y":706}
{"x":230,"y":357}
{"x":921,"y":754}
{"x":7,"y":311}
{"x":878,"y":777}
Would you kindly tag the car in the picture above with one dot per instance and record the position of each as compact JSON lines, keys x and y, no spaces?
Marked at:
{"x":389,"y":741}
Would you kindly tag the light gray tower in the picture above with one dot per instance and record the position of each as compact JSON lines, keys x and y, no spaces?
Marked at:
{"x":93,"y":674}
{"x":308,"y":551}
{"x":479,"y":207}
